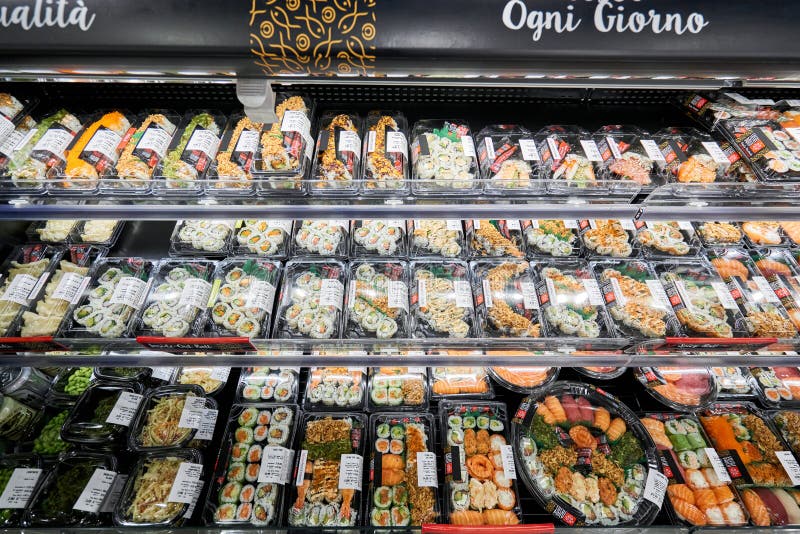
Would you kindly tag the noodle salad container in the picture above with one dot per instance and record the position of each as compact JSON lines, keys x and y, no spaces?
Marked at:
{"x":87,"y":423}
{"x":441,"y":300}
{"x":211,"y":379}
{"x":505,"y":295}
{"x":101,"y":232}
{"x":377,"y":300}
{"x":268,"y":384}
{"x":443,"y":158}
{"x":719,"y":233}
{"x":385,"y":161}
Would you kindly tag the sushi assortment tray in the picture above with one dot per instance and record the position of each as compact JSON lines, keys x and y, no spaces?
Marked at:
{"x":508,"y":158}
{"x":311,"y":300}
{"x":337,"y":158}
{"x":386,"y":167}
{"x":684,"y":389}
{"x":264,"y":237}
{"x":776,"y":386}
{"x":201,"y":238}
{"x":443,"y":157}
{"x":441,"y":299}
{"x":398,"y":388}
{"x":669,"y":239}
{"x":551,"y":237}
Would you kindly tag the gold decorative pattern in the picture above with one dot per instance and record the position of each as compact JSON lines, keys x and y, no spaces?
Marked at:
{"x":313,"y":36}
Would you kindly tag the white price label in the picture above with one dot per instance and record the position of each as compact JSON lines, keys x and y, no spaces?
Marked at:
{"x":204,"y":141}
{"x":487,"y":142}
{"x":162,"y":373}
{"x":724,"y":295}
{"x":463,"y":293}
{"x":332,"y":293}
{"x":220,"y":373}
{"x":396,"y":142}
{"x":658,"y":293}
{"x":192,"y":413}
{"x":529,"y":150}
{"x":507,"y":457}
{"x":398,"y":295}
{"x":476,"y":224}
{"x":301,"y":468}
{"x":618,"y":294}
{"x":276,"y":465}
{"x":738,"y":98}
{"x":105,"y":142}
{"x":351,"y":296}
{"x":351,"y":468}
{"x":6,"y":127}
{"x":487,"y":294}
{"x":195,"y":293}
{"x":571,"y":224}
{"x":69,"y":287}
{"x":593,"y":291}
{"x":282,"y":224}
{"x":765,"y":289}
{"x":652,"y":150}
{"x":717,"y":465}
{"x":655,"y":487}
{"x":763,"y":101}
{"x":295,"y":121}
{"x":793,"y":103}
{"x":113,"y":495}
{"x":453,"y":225}
{"x":686,"y":226}
{"x":534,"y":223}
{"x":426,"y":470}
{"x":183,"y":487}
{"x":716,"y":152}
{"x":338,"y":223}
{"x":513,"y":224}
{"x":261,"y":295}
{"x":529,"y":299}
{"x":371,"y":135}
{"x":790,"y":465}
{"x":19,"y":289}
{"x":591,"y":150}
{"x":627,"y":224}
{"x":422,"y":293}
{"x":19,"y":488}
{"x":95,"y":491}
{"x":155,"y":139}
{"x":15,"y":141}
{"x":124,"y":409}
{"x":416,"y":370}
{"x":55,"y":141}
{"x":468,"y":145}
{"x":198,"y":488}
{"x":208,"y":420}
{"x":349,"y":142}
{"x":129,"y":291}
{"x":247,"y":142}
{"x":552,"y":144}
{"x":612,"y":145}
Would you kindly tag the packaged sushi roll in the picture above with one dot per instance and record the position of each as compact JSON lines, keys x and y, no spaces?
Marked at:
{"x":696,"y":494}
{"x":54,"y":231}
{"x":243,"y":297}
{"x":201,"y":237}
{"x":441,"y":300}
{"x":190,"y":154}
{"x":690,"y":156}
{"x":494,"y":238}
{"x":508,"y":157}
{"x":783,"y":274}
{"x":719,"y":233}
{"x":570,"y":300}
{"x":763,"y":234}
{"x":211,"y":379}
{"x":398,"y":388}
{"x":443,"y":157}
{"x":147,"y":498}
{"x":582,"y":452}
{"x":791,"y":229}
{"x":770,"y":147}
{"x":788,"y":423}
{"x":403,"y":482}
{"x":523,"y":379}
{"x":101,"y":232}
{"x":335,"y":388}
{"x":379,"y":237}
{"x":331,"y":447}
{"x":733,"y":382}
{"x":87,"y":424}
{"x":436,"y":237}
{"x":268,"y":384}
{"x":764,"y":314}
{"x":570,"y":159}
{"x":142,"y":153}
{"x":635,"y":299}
{"x":326,"y":237}
{"x":680,"y":388}
{"x":551,"y":237}
{"x":12,"y":517}
{"x":25,"y":272}
{"x":9,"y":145}
{"x":628,"y":154}
{"x":385,"y":168}
{"x":505,"y":295}
{"x":264,"y":237}
{"x":177,"y":300}
{"x":377,"y":300}
{"x":456,"y":382}
{"x":256,"y":435}
{"x":337,"y":159}
{"x":232,"y":172}
{"x":311,"y":300}
{"x":660,"y":239}
{"x":57,"y":500}
{"x":772,"y":506}
{"x":480,"y":486}
{"x":609,"y":237}
{"x":776,"y":386}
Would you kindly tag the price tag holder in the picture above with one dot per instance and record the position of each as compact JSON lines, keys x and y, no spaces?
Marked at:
{"x":426,"y":470}
{"x":95,"y":491}
{"x":183,"y":488}
{"x":351,"y":468}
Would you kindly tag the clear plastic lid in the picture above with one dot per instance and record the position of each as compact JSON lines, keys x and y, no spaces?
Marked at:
{"x":680,"y":388}
{"x":201,"y":237}
{"x":443,"y":156}
{"x":327,"y":237}
{"x":103,"y":232}
{"x":505,"y":295}
{"x":46,"y":436}
{"x":509,"y":157}
{"x":124,"y":374}
{"x":211,"y":379}
{"x":494,"y":238}
{"x":268,"y":384}
{"x":337,"y":161}
{"x":691,"y":156}
{"x":441,"y":299}
{"x":55,"y":231}
{"x":286,"y":146}
{"x":628,"y":153}
{"x":456,"y":382}
{"x":385,"y":168}
{"x":772,"y":149}
{"x":167,"y":419}
{"x":719,"y":233}
{"x":609,"y":237}
{"x":379,"y":237}
{"x":777,"y":386}
{"x":782,"y":272}
{"x":551,"y":237}
{"x":524,"y":379}
{"x":262,"y":237}
{"x":788,"y":423}
{"x":69,"y":384}
{"x":88,"y":422}
{"x":659,"y":239}
{"x":14,"y":140}
{"x":236,"y":159}
{"x":398,"y":388}
{"x":733,"y":382}
{"x":335,"y":388}
{"x":763,"y":234}
{"x":791,"y":229}
{"x":377,"y":300}
{"x":568,"y":155}
{"x":436,"y":237}
{"x":601,"y":373}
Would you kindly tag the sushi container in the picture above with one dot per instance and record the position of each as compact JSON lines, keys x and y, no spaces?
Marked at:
{"x":232,"y":171}
{"x":106,"y":307}
{"x":791,"y":229}
{"x":88,"y":425}
{"x":311,"y":300}
{"x":551,"y":237}
{"x":58,"y":500}
{"x":601,"y":373}
{"x":783,"y":275}
{"x":139,"y":158}
{"x":385,"y":167}
{"x":690,"y":157}
{"x":460,"y":383}
{"x":609,"y":238}
{"x":734,"y":383}
{"x":92,"y":154}
{"x":12,"y":141}
{"x":748,"y":445}
{"x":635,"y":299}
{"x":479,"y":473}
{"x":443,"y":158}
{"x":436,"y":237}
{"x":788,"y":423}
{"x":211,"y":379}
{"x":100,"y":232}
{"x":265,"y":237}
{"x":326,"y":237}
{"x":243,"y":297}
{"x":772,"y":506}
{"x":776,"y":386}
{"x":683,"y":389}
{"x":441,"y":300}
{"x":327,"y":488}
{"x":178,"y":298}
{"x":379,"y":237}
{"x":156,"y":426}
{"x":764,"y":314}
{"x":570,"y":300}
{"x":190,"y":154}
{"x":398,"y":388}
{"x":268,"y":384}
{"x":43,"y":147}
{"x":698,"y":496}
{"x":11,"y":111}
{"x":771,"y":150}
{"x":335,"y":389}
{"x":719,"y":233}
{"x":377,"y":300}
{"x":509,"y":159}
{"x":286,"y":147}
{"x":700,"y":299}
{"x":256,"y":435}
{"x":670,"y":239}
{"x":201,"y":237}
{"x":526,"y":380}
{"x":494,"y":238}
{"x":12,"y":517}
{"x":570,"y":160}
{"x":402,"y":476}
{"x":505,"y":297}
{"x":628,"y":154}
{"x":65,"y":389}
{"x":52,"y":231}
{"x":586,"y":458}
{"x":146,"y":499}
{"x":337,"y":158}
{"x":759,"y":234}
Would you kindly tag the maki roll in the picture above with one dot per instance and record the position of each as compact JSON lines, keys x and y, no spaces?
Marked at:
{"x":679,"y":442}
{"x":251,"y":472}
{"x":248,"y":493}
{"x":244,"y":434}
{"x":395,"y":396}
{"x":244,"y":511}
{"x":229,"y":493}
{"x":239,"y":452}
{"x":689,"y":459}
{"x":248,"y":417}
{"x":225,"y":513}
{"x":250,"y":392}
{"x":382,"y":445}
{"x":380,"y":396}
{"x":263,"y":513}
{"x":261,"y":432}
{"x":264,"y":417}
{"x":278,"y":435}
{"x":401,"y":516}
{"x":396,"y":446}
{"x":696,"y":440}
{"x":382,"y":430}
{"x":254,"y":453}
{"x":380,"y":517}
{"x":235,"y":473}
{"x":469,"y":422}
{"x":382,"y":497}
{"x":283,"y":392}
{"x":282,"y":415}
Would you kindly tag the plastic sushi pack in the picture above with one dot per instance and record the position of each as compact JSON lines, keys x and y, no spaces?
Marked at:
{"x":660,"y":239}
{"x":781,"y":271}
{"x":337,"y":160}
{"x":436,"y":237}
{"x":441,"y":299}
{"x":719,"y":233}
{"x":609,"y":237}
{"x":243,"y":297}
{"x":268,"y":384}
{"x":586,"y":457}
{"x":265,"y":237}
{"x":398,"y":388}
{"x":776,"y":386}
{"x":509,"y":158}
{"x":691,"y":156}
{"x":628,"y":153}
{"x":335,"y":388}
{"x":683,"y":389}
{"x":788,"y":423}
{"x":377,"y":301}
{"x":457,"y":382}
{"x":570,"y":158}
{"x":329,"y":470}
{"x":201,"y":237}
{"x":379,"y":237}
{"x":551,"y":237}
{"x":385,"y":168}
{"x":253,"y":467}
{"x":733,"y":382}
{"x":507,"y":304}
{"x":791,"y":229}
{"x":403,"y":481}
{"x":772,"y":150}
{"x":327,"y":237}
{"x":524,"y":379}
{"x":764,"y":234}
{"x":495,"y":238}
{"x":191,"y":153}
{"x":311,"y":299}
{"x":54,"y":231}
{"x":176,"y":303}
{"x":480,"y":486}
{"x":700,"y":491}
{"x":232,"y":170}
{"x":443,"y":157}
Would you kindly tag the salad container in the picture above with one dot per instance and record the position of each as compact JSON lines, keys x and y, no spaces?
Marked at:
{"x":12,"y":517}
{"x":443,"y":157}
{"x":683,"y":389}
{"x":551,"y":237}
{"x":398,"y":388}
{"x":337,"y":158}
{"x":268,"y":384}
{"x":788,"y":423}
{"x":335,"y":388}
{"x":436,"y":237}
{"x":441,"y":299}
{"x":494,"y":238}
{"x":458,"y":382}
{"x":211,"y":379}
{"x":508,"y":158}
{"x":505,"y":294}
{"x":377,"y":300}
{"x":269,"y":238}
{"x":385,"y":167}
{"x":53,"y":231}
{"x":327,"y":237}
{"x":87,"y":423}
{"x":201,"y":237}
{"x":379,"y":237}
